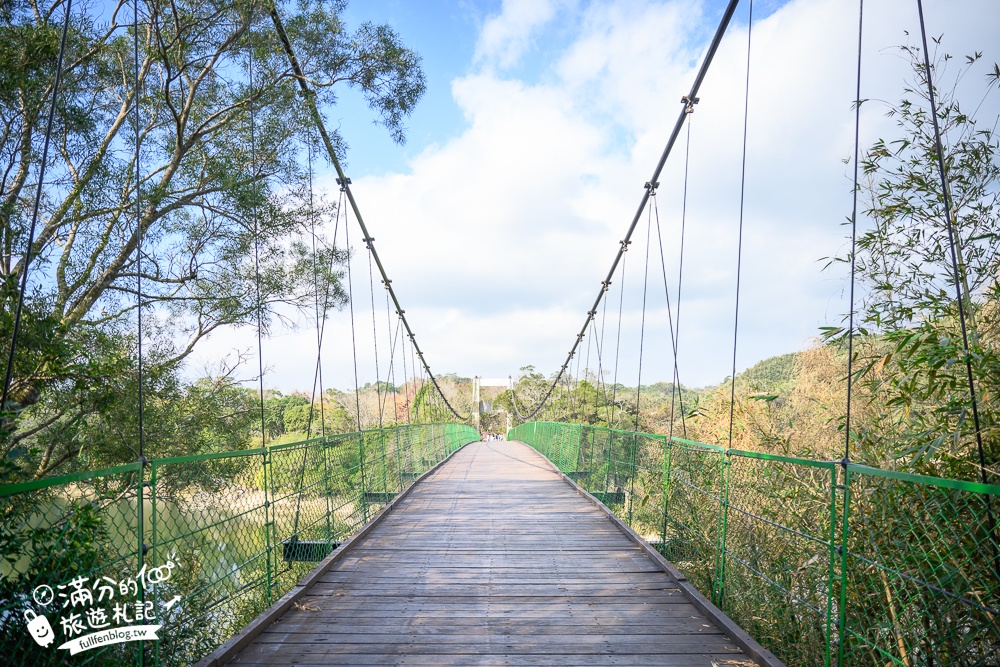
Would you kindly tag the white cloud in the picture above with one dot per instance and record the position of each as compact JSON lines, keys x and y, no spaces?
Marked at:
{"x":497,"y":239}
{"x":507,"y":36}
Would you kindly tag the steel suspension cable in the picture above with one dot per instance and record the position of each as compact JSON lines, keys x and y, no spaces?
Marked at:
{"x":310,"y":100}
{"x":739,"y":242}
{"x":8,"y":376}
{"x":693,"y":94}
{"x":513,"y":400}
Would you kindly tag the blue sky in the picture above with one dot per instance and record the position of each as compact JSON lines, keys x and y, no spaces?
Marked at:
{"x":526,"y":158}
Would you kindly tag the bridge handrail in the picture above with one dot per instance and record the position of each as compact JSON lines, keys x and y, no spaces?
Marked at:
{"x":241,"y":527}
{"x":824,"y":563}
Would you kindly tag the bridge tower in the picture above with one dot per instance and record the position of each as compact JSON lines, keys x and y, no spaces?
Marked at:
{"x":483,"y":406}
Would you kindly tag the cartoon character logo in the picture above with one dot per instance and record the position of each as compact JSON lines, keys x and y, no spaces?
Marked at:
{"x":39,"y":628}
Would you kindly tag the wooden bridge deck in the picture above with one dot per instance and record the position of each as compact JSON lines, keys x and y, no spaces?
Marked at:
{"x":494,"y":560}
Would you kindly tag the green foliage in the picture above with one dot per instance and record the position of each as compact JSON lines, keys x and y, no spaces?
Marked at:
{"x":215,"y":516}
{"x":910,"y":359}
{"x":54,"y":547}
{"x":773,"y":375}
{"x":863,"y":568}
{"x":211,"y":200}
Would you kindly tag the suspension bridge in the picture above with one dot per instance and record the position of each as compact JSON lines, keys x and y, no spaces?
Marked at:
{"x":569,"y":543}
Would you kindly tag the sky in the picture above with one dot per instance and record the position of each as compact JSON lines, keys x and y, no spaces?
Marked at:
{"x":527,"y":158}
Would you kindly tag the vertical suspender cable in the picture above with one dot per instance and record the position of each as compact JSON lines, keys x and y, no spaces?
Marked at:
{"x":739,"y":242}
{"x":256,"y":250}
{"x":618,"y":337}
{"x":642,"y":327}
{"x":952,"y":233}
{"x":140,"y":489}
{"x":586,"y":369}
{"x":138,"y":221}
{"x":417,"y":374}
{"x":371,"y":291}
{"x":570,"y":406}
{"x":318,"y":373}
{"x":600,"y":346}
{"x":34,"y":212}
{"x":406,"y":379}
{"x":854,"y":237}
{"x":390,"y":373}
{"x":392,"y":356}
{"x":845,"y":479}
{"x":320,"y":327}
{"x":350,"y":300}
{"x":674,"y":321}
{"x":578,"y":400}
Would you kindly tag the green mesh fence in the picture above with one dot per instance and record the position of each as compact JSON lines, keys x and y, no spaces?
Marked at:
{"x":198,"y":545}
{"x":823,"y":564}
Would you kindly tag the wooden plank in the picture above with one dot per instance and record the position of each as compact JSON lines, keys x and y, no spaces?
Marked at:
{"x":453,"y":628}
{"x":480,"y":658}
{"x":747,"y":643}
{"x":565,"y":646}
{"x":493,"y":560}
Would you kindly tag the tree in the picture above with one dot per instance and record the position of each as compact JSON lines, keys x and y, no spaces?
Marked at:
{"x":911,"y":357}
{"x":222,"y":180}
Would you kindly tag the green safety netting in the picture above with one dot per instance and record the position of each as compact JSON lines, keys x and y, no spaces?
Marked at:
{"x":822,"y":563}
{"x":227,"y":534}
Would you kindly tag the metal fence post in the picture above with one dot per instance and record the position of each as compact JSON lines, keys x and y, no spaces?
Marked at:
{"x":631,"y":476}
{"x":152,"y":544}
{"x":718,"y":590}
{"x":268,"y":519}
{"x":399,"y":462}
{"x":141,"y":548}
{"x":385,"y":462}
{"x":667,"y":462}
{"x":364,"y":482}
{"x":607,"y":470}
{"x":833,"y":566}
{"x":328,"y":491}
{"x":842,"y":612}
